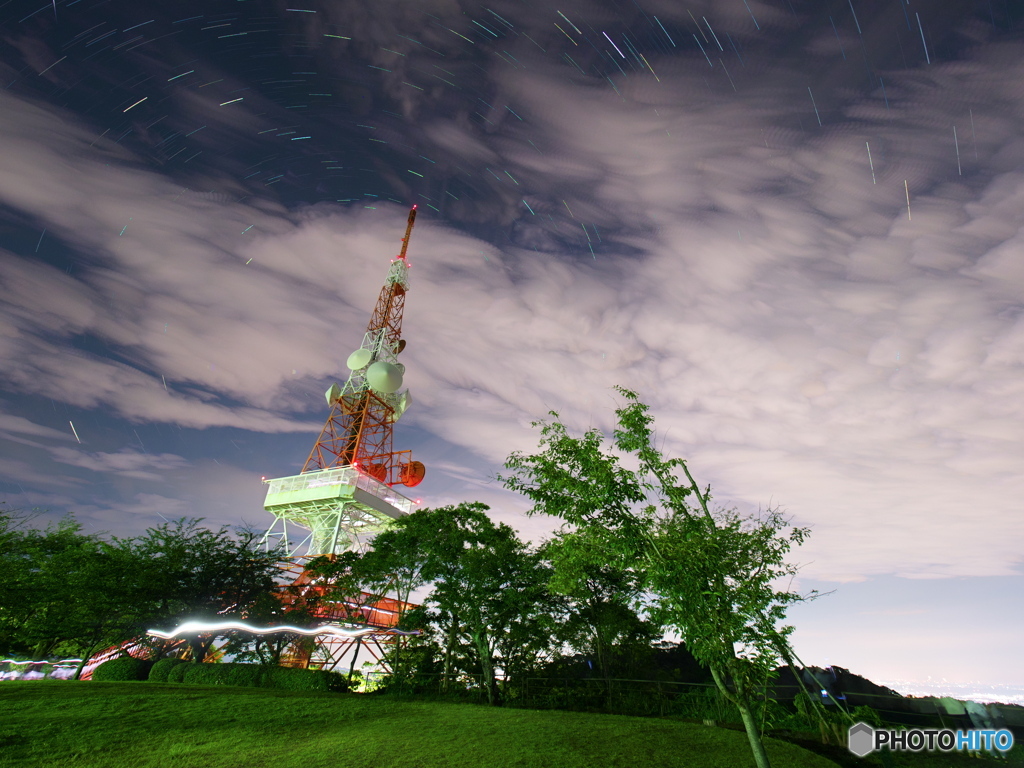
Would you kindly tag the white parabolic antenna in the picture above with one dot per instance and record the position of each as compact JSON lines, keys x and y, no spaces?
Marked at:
{"x":384,"y":377}
{"x":359,"y":359}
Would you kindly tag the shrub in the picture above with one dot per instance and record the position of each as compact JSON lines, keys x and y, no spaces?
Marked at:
{"x":243,"y":675}
{"x":865,"y":714}
{"x":259,"y":676}
{"x":705,"y":704}
{"x":162,"y":668}
{"x":122,"y":669}
{"x":177,"y":673}
{"x":205,"y":674}
{"x":246,"y":675}
{"x":290,"y":679}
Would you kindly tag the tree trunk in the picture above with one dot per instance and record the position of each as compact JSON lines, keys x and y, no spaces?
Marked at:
{"x":448,"y":648}
{"x":487,"y":668}
{"x":43,"y":648}
{"x":753,"y":735}
{"x":199,"y":648}
{"x":355,"y":655}
{"x":85,"y":660}
{"x":603,"y":665}
{"x":740,"y":700}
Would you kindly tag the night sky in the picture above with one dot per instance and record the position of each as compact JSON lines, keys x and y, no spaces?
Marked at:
{"x":794,"y":227}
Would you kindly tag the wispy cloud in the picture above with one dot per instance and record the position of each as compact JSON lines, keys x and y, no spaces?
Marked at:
{"x":127,"y":463}
{"x":801,"y":336}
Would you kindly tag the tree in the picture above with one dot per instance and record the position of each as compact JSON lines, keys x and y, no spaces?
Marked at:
{"x":710,"y":574}
{"x":487,"y":595}
{"x":196,"y":574}
{"x":65,"y":591}
{"x":601,"y":621}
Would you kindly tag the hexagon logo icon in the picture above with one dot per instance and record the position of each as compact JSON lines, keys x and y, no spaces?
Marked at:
{"x":861,"y":739}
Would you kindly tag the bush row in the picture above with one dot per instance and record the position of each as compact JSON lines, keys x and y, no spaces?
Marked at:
{"x":162,"y":669}
{"x":257,"y":676}
{"x":121,"y":669}
{"x":244,"y":675}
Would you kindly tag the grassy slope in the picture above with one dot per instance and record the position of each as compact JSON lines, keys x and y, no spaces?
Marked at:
{"x":137,"y":725}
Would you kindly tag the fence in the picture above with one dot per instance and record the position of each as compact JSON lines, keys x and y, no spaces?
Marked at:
{"x":696,"y":701}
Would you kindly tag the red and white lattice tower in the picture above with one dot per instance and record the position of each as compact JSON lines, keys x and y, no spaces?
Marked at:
{"x":345,"y":492}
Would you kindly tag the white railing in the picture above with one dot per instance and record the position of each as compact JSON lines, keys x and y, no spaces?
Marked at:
{"x":340,"y":476}
{"x":319,"y":479}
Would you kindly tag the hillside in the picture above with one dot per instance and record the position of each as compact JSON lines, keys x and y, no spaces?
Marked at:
{"x":152,"y":725}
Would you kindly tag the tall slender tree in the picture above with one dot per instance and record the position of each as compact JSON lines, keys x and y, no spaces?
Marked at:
{"x":710,"y":573}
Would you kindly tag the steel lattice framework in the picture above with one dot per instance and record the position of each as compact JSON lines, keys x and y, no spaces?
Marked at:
{"x":344,"y":494}
{"x":364,"y":609}
{"x":358,"y":430}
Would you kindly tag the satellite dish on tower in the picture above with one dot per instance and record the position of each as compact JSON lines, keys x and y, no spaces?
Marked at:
{"x":378,"y":472}
{"x":384,"y":377}
{"x":359,"y":359}
{"x":412,"y":474}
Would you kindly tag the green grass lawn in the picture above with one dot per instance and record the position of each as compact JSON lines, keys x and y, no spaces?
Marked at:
{"x":131,"y":725}
{"x":115,"y":725}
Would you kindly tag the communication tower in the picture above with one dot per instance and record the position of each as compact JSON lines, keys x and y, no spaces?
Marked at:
{"x":345,"y":492}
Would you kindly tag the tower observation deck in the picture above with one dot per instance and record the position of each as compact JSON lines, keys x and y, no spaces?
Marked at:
{"x":345,"y":492}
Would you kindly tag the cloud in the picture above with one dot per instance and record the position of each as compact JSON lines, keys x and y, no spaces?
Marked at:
{"x":127,"y":463}
{"x":20,"y":472}
{"x":11,"y":425}
{"x":799,"y":337}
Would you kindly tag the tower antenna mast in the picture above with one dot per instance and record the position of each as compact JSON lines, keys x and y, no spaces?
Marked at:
{"x":344,"y":492}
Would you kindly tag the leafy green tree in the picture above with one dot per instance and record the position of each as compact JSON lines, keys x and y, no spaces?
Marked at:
{"x":63,"y":590}
{"x":601,"y":622}
{"x":68,"y":592}
{"x":197,"y":574}
{"x":710,"y":574}
{"x":488,"y":594}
